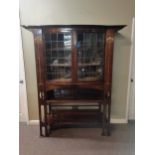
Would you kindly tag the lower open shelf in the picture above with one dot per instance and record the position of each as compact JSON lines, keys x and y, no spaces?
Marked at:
{"x":74,"y":116}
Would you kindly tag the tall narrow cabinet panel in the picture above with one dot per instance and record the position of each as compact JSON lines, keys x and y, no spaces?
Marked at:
{"x":74,"y":75}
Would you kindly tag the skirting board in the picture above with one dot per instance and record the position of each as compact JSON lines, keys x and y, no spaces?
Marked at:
{"x":113,"y":121}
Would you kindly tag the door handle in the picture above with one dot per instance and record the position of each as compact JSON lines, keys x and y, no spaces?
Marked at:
{"x":21,"y":81}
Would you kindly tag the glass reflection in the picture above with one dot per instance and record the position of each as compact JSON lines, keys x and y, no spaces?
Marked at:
{"x":90,"y":56}
{"x":58,"y":56}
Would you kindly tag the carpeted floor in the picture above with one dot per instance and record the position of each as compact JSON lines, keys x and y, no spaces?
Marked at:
{"x":78,"y":141}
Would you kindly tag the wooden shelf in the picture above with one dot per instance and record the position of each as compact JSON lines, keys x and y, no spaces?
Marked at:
{"x":71,"y":101}
{"x":59,"y":65}
{"x":69,"y":65}
{"x":59,"y":49}
{"x":89,"y":64}
{"x":56,"y":41}
{"x":93,"y":47}
{"x":80,"y":79}
{"x":89,"y":79}
{"x":61,"y":80}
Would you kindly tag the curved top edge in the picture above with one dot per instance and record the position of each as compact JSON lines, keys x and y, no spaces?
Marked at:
{"x":117,"y":27}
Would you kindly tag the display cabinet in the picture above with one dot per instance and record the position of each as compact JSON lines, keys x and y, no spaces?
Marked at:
{"x":74,"y":75}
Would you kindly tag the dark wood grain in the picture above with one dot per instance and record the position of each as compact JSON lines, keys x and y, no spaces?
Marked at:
{"x":108,"y":59}
{"x":48,"y":88}
{"x":38,"y":42}
{"x":68,"y":27}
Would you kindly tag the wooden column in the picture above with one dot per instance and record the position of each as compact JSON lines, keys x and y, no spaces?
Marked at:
{"x":40,"y":68}
{"x":108,"y":59}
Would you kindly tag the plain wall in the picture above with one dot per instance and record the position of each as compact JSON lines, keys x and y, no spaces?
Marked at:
{"x":97,"y":12}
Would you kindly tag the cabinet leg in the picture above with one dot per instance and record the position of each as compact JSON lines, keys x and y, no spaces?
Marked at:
{"x":41,"y":134}
{"x":104,"y":120}
{"x":44,"y":110}
{"x":108,"y":120}
{"x":47,"y":126}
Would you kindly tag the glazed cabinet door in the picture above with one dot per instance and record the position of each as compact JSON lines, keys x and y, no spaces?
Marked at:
{"x":90,"y":54}
{"x":58,"y":55}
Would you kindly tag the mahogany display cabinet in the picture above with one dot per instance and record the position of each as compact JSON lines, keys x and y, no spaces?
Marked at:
{"x":74,"y":75}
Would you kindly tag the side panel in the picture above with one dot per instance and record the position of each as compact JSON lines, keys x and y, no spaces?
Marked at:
{"x":108,"y":59}
{"x":39,"y":54}
{"x":39,"y":57}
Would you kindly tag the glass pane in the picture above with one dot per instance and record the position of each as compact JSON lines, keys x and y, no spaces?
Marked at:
{"x":90,"y":56}
{"x":58,"y":56}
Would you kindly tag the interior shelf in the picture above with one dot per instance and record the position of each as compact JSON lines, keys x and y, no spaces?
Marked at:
{"x":58,"y":49}
{"x":76,"y":102}
{"x":59,"y":65}
{"x":89,"y":64}
{"x":61,"y":79}
{"x":90,"y":78}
